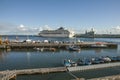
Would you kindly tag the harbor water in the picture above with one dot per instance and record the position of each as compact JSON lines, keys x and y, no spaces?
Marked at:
{"x":26,"y":59}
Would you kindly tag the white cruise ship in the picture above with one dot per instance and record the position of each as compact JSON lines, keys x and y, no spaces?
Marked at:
{"x":60,"y":32}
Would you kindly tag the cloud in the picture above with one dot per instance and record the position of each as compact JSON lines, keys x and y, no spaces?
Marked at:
{"x":116,"y":28}
{"x":22,"y":28}
{"x":46,"y":27}
{"x":12,"y":29}
{"x":6,"y":28}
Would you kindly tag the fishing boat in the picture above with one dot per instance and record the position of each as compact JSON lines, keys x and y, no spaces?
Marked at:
{"x":106,"y":59}
{"x":81,"y":62}
{"x":44,"y":49}
{"x":73,"y":48}
{"x":98,"y":45}
{"x":97,"y":60}
{"x":115,"y":58}
{"x":69,"y":63}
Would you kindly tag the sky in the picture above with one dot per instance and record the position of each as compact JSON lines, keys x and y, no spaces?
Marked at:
{"x":31,"y":16}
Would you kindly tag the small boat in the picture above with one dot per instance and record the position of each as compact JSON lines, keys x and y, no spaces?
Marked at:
{"x":28,"y":40}
{"x":113,"y":59}
{"x":84,"y":62}
{"x":74,"y":48}
{"x":97,"y":60}
{"x":98,"y":45}
{"x":69,"y":63}
{"x":44,"y":49}
{"x":38,"y":49}
{"x":106,"y":59}
{"x":118,"y":58}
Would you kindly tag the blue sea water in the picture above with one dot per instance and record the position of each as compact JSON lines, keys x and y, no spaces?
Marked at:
{"x":36,"y":59}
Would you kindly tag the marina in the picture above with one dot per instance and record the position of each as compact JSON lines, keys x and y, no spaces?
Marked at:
{"x":19,"y":59}
{"x":97,"y":66}
{"x":60,"y":40}
{"x":9,"y":74}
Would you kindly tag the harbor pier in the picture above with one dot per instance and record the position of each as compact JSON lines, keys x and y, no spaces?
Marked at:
{"x":6,"y":75}
{"x":114,"y":77}
{"x":95,"y":66}
{"x":25,"y":45}
{"x":9,"y":74}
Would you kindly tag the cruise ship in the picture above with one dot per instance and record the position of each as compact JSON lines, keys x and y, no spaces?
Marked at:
{"x":60,"y":32}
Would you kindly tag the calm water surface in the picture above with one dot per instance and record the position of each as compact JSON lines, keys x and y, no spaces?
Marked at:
{"x":35,"y":59}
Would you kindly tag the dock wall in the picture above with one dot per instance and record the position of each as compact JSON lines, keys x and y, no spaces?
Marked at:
{"x":96,"y":66}
{"x":24,"y":45}
{"x":6,"y":75}
{"x":114,"y":77}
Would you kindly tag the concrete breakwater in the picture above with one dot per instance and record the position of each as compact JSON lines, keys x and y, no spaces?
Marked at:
{"x":97,"y":66}
{"x":114,"y":77}
{"x":25,"y":45}
{"x":9,"y":74}
{"x":6,"y":75}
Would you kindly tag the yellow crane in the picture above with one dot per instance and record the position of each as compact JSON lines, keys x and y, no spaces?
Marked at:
{"x":0,"y":40}
{"x":6,"y":41}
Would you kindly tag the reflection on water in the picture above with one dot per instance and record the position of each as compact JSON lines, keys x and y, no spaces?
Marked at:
{"x":97,"y":51}
{"x":35,"y":59}
{"x":3,"y":54}
{"x":28,"y":58}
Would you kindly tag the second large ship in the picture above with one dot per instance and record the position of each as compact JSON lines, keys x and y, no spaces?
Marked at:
{"x":60,"y":32}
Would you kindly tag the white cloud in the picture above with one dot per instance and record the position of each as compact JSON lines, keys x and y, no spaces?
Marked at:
{"x":7,"y":28}
{"x":46,"y":27}
{"x":116,"y":28}
{"x":22,"y":28}
{"x":27,"y":30}
{"x":11,"y":29}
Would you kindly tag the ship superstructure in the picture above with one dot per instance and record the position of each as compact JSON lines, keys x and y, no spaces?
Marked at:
{"x":60,"y":32}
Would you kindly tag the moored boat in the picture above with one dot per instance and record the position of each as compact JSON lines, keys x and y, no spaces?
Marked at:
{"x":98,"y":45}
{"x":44,"y":49}
{"x":97,"y":60}
{"x":69,"y":63}
{"x":81,"y":62}
{"x":73,"y":48}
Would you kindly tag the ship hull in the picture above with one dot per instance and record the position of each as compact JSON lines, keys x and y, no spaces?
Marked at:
{"x":61,"y":32}
{"x":56,"y":35}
